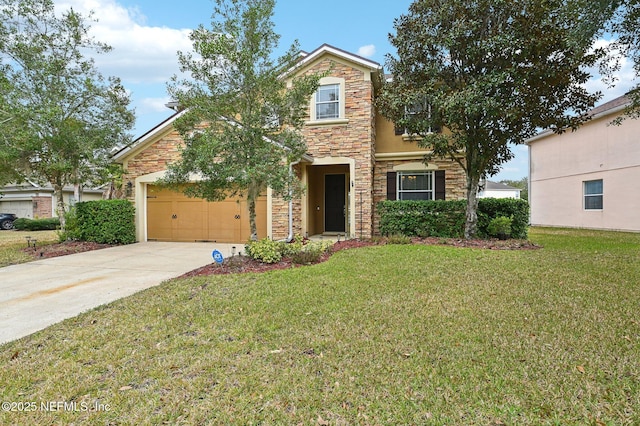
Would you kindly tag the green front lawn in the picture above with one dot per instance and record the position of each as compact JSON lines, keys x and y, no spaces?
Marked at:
{"x":12,"y":244}
{"x":375,"y":336}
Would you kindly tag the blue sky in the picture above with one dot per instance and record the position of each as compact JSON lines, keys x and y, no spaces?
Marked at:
{"x":146,"y":34}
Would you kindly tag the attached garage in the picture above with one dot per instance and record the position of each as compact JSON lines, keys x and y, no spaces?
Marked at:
{"x":172,"y":216}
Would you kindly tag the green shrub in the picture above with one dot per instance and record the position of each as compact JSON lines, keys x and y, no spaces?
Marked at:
{"x":299,"y":250}
{"x":106,"y":222}
{"x":311,"y":252}
{"x":47,"y":224}
{"x":446,"y":219}
{"x":422,"y":218}
{"x":398,"y":239}
{"x":306,"y":257}
{"x":517,"y":210}
{"x":288,"y":249}
{"x":265,"y":250}
{"x":71,"y":230}
{"x":500,"y":226}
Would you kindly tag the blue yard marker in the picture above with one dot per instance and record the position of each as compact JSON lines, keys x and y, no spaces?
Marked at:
{"x":217,"y":256}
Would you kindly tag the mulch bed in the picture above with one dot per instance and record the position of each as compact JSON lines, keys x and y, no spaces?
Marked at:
{"x":63,"y":249}
{"x":243,"y":264}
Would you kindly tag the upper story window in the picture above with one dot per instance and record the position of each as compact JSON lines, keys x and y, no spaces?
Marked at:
{"x":593,"y":191}
{"x":417,"y":111}
{"x":415,"y":186}
{"x":328,"y":102}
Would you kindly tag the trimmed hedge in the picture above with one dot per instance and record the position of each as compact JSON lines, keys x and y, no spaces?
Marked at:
{"x":104,"y":222}
{"x":446,"y":219}
{"x":47,"y":224}
{"x":517,"y":210}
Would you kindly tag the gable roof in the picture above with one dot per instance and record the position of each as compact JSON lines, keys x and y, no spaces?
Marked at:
{"x":326,"y":48}
{"x":147,"y":137}
{"x":614,"y":106}
{"x":306,"y":58}
{"x":499,"y":186}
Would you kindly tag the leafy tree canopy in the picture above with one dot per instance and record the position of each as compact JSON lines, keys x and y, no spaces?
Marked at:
{"x":625,"y":26}
{"x":241,"y":121}
{"x":63,"y":117}
{"x":492,"y":72}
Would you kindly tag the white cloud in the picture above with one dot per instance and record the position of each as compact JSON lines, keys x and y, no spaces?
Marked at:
{"x":367,"y":51}
{"x":623,"y":79}
{"x":140,"y":53}
{"x":146,"y":105}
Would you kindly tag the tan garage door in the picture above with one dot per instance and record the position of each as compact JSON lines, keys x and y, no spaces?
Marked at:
{"x":172,"y":216}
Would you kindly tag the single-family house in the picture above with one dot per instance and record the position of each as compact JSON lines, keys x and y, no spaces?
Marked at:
{"x":355,"y":158}
{"x":588,"y":178}
{"x":31,"y":200}
{"x":490,"y":189}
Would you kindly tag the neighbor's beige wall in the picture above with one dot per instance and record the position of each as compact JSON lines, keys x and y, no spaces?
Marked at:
{"x":559,"y":164}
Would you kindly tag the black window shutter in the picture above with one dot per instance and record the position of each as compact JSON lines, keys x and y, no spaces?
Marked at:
{"x":439,"y":184}
{"x":391,"y":186}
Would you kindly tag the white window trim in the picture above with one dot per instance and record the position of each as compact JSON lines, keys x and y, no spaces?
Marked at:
{"x":325,"y":81}
{"x":585,"y":195}
{"x":431,"y":176}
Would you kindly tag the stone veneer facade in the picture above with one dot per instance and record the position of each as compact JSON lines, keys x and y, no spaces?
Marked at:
{"x":154,"y":158}
{"x":353,"y":140}
{"x":338,"y":143}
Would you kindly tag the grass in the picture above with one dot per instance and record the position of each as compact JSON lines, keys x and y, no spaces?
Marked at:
{"x":12,"y":243}
{"x":397,"y":334}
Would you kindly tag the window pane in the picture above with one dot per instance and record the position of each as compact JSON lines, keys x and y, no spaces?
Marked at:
{"x":416,"y":195}
{"x":415,"y":186}
{"x":593,"y":187}
{"x":593,"y":202}
{"x":327,"y":110}
{"x":328,"y":93}
{"x":328,"y":102}
{"x":415,"y":181}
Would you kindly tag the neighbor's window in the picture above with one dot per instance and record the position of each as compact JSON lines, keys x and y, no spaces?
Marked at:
{"x":328,"y":102}
{"x":593,"y":194}
{"x":415,"y":186}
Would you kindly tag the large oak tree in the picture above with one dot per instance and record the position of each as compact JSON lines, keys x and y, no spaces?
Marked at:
{"x":493,"y":72}
{"x":241,"y":121}
{"x":61,"y":117}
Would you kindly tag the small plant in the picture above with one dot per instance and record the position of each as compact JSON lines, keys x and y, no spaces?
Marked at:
{"x":265,"y":250}
{"x":288,"y":249}
{"x":300,"y":250}
{"x":311,"y":252}
{"x":398,"y":239}
{"x":72,"y":231}
{"x":500,"y":227}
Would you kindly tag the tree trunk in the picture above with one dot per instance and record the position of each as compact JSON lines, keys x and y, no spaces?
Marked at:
{"x":252,"y":195}
{"x":471,"y":224}
{"x":77,"y":192}
{"x":57,"y":189}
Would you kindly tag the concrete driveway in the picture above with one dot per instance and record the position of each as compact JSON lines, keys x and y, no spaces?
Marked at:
{"x":37,"y":294}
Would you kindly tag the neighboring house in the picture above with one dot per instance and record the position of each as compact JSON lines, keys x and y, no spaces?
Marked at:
{"x":354,"y":160}
{"x":588,"y":178}
{"x":31,"y":200}
{"x":498,"y":190}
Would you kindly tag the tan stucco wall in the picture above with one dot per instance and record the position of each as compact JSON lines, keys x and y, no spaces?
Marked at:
{"x":559,"y":164}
